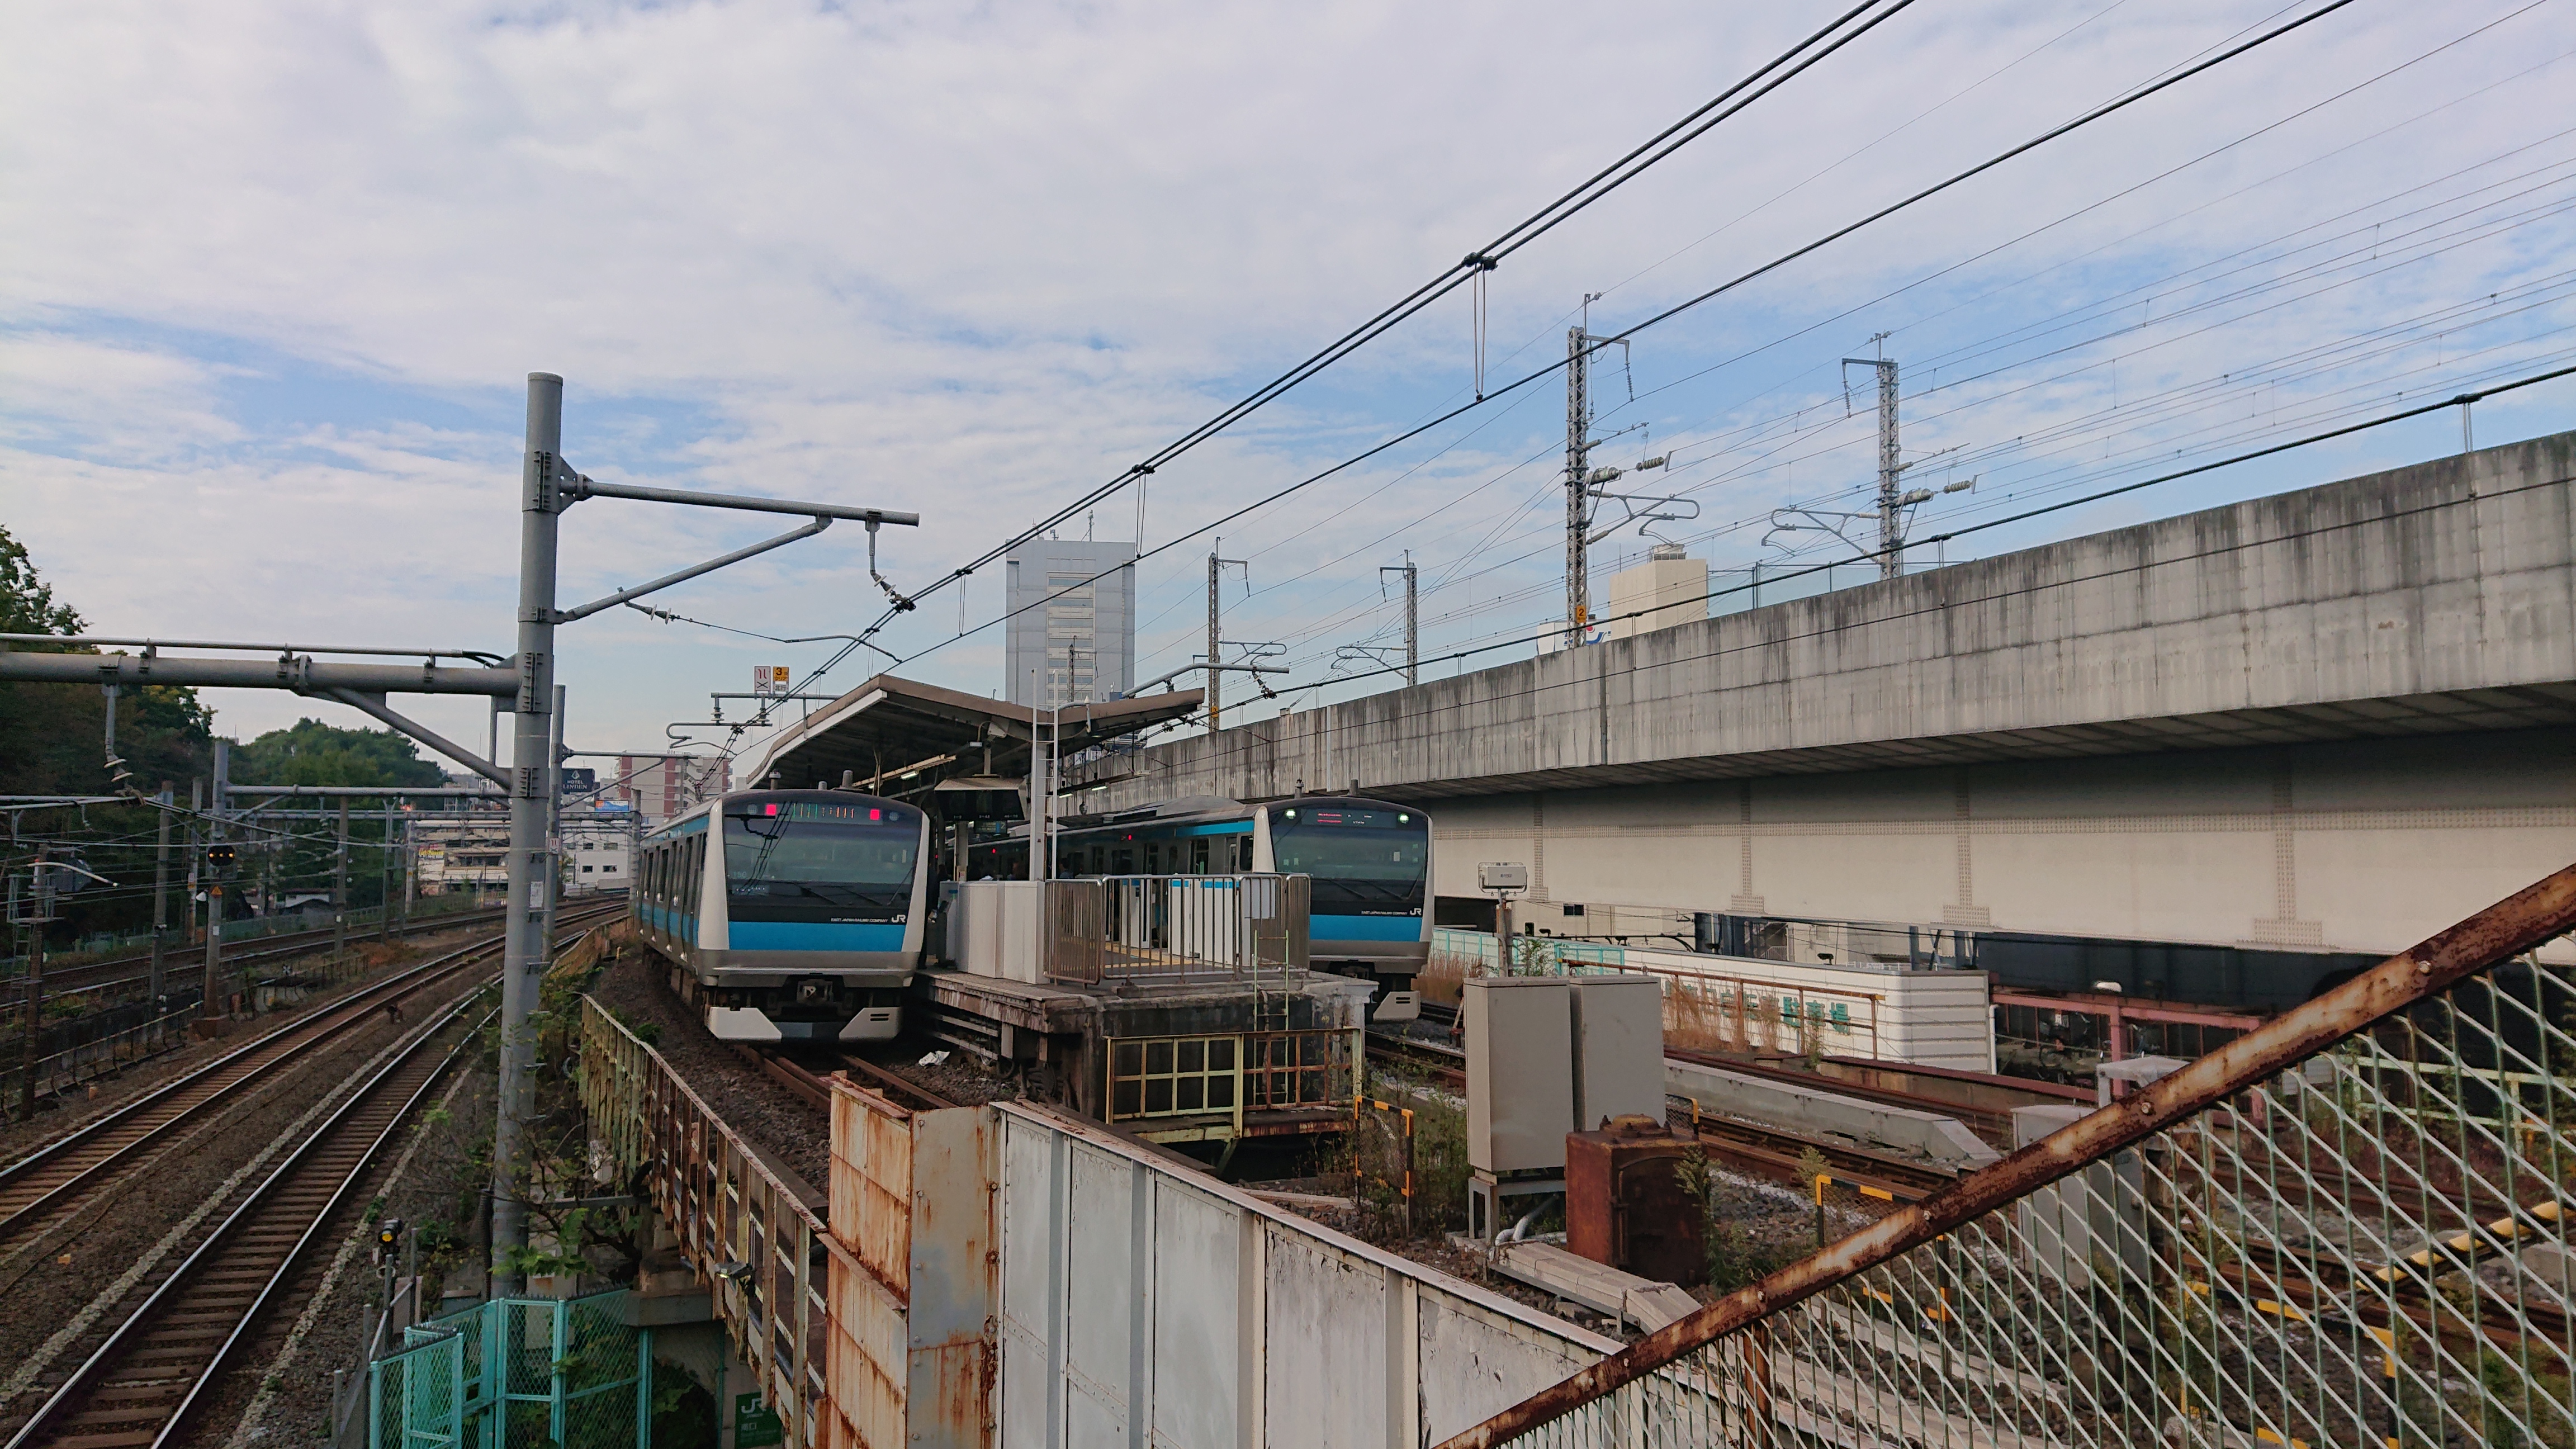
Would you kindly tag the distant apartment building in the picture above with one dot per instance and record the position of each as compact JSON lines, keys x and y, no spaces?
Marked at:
{"x":598,"y":855}
{"x":1668,"y":588}
{"x":461,"y":853}
{"x":1072,"y":634}
{"x":658,"y":787}
{"x":472,"y":852}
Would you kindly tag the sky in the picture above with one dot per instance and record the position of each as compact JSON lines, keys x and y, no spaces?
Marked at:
{"x":276,"y":274}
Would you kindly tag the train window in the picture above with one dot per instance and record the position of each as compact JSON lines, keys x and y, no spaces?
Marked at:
{"x":1199,"y":856}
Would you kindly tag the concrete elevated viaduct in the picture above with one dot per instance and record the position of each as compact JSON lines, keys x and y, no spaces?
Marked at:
{"x":2330,"y":720}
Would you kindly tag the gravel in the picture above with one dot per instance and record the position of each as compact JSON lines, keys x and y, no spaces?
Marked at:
{"x":94,"y":1099}
{"x":957,"y":1077}
{"x":774,"y":1119}
{"x":52,"y":1278}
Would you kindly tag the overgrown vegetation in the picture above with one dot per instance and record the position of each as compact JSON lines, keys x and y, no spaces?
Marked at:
{"x":1734,"y":1258}
{"x":1376,"y":1153}
{"x":566,"y":1238}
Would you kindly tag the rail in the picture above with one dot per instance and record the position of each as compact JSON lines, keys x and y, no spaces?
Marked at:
{"x":2344,"y":1227}
{"x":761,"y":1243}
{"x":160,"y":1364}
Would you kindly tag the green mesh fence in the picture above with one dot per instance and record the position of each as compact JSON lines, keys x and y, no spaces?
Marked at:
{"x":517,"y":1374}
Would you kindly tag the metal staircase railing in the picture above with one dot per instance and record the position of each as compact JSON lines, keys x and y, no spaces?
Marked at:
{"x":2347,"y":1227}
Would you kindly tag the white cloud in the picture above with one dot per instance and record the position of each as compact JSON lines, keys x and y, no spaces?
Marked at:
{"x":970,"y":261}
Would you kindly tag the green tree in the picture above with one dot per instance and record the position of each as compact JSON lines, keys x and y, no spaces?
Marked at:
{"x":27,"y":603}
{"x":53,"y":740}
{"x":312,"y":753}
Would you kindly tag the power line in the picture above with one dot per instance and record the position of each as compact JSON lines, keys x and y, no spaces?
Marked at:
{"x":2098,"y":113}
{"x":1863,"y":556}
{"x":1761,"y":82}
{"x":1942,"y":606}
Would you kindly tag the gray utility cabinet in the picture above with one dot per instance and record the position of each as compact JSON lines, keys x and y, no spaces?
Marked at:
{"x":1618,"y":1048}
{"x":1548,"y":1055}
{"x":1520,"y":1072}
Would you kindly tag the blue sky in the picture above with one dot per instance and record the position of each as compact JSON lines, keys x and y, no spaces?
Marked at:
{"x":277,"y":272}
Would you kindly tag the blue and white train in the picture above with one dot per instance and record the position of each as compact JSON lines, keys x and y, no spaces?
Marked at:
{"x":790,"y":915}
{"x":1369,"y":860}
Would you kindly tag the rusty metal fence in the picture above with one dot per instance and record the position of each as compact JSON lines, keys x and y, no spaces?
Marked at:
{"x":2347,"y":1227}
{"x":762,"y":1245}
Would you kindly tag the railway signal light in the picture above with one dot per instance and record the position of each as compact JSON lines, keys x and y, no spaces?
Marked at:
{"x":219,"y":855}
{"x":388,"y":1237}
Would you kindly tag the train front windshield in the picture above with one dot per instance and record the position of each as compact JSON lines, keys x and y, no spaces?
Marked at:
{"x":806,"y":861}
{"x":1364,"y":862}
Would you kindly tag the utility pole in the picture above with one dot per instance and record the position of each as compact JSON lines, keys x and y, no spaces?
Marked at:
{"x":547,"y":487}
{"x":1212,"y":705}
{"x":44,"y":884}
{"x":524,"y":944}
{"x":214,"y":884}
{"x":385,"y":876}
{"x":407,"y":884}
{"x":1412,"y":618}
{"x":340,"y":891}
{"x":554,"y":808}
{"x":161,"y":898}
{"x":1578,"y":482}
{"x":1891,"y":532}
{"x":1215,"y":639}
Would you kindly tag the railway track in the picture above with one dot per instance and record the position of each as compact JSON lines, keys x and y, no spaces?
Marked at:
{"x":40,"y":1188}
{"x":808,"y":1086}
{"x":99,"y":978}
{"x":160,"y":1365}
{"x":905,"y":1092}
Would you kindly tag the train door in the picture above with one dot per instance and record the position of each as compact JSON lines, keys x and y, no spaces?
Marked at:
{"x":691,"y":877}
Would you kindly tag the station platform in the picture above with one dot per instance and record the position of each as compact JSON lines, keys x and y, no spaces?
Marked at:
{"x":1207,"y":1060}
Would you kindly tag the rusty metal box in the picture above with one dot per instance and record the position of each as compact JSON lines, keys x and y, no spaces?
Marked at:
{"x":1625,"y":1204}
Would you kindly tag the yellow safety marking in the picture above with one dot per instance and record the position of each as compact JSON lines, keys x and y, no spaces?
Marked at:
{"x":1882,"y":1194}
{"x":2507,"y":1228}
{"x":2388,"y":1349}
{"x":2269,"y":1437}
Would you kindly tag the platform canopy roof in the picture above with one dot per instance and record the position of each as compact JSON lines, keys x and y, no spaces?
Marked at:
{"x":905,"y":736}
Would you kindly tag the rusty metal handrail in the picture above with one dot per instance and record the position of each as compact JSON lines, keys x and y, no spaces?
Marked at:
{"x":717,"y":1194}
{"x":2523,"y":920}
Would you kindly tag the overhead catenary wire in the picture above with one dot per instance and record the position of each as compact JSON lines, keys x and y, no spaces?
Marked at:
{"x":2097,"y":113}
{"x":1844,"y":28}
{"x":1949,"y":384}
{"x":1866,"y":555}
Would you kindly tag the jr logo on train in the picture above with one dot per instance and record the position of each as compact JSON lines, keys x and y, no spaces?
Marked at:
{"x":1370,"y":862}
{"x":790,"y":915}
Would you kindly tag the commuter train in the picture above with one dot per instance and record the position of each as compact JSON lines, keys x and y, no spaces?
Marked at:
{"x":1370,"y":862}
{"x":789,"y":915}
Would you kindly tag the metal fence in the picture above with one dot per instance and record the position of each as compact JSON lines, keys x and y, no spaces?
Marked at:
{"x":762,"y":1242}
{"x":517,"y":1373}
{"x":149,"y":1035}
{"x":1178,"y":928}
{"x":2347,"y":1227}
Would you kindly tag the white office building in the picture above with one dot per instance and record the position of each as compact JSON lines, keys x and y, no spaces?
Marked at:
{"x":1072,"y":636}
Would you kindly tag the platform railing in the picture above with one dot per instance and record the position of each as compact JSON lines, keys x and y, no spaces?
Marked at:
{"x":1239,"y":929}
{"x":2347,"y":1227}
{"x":759,"y":1244}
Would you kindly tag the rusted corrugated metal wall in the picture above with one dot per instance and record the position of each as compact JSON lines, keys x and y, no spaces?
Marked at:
{"x":911,"y":1356}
